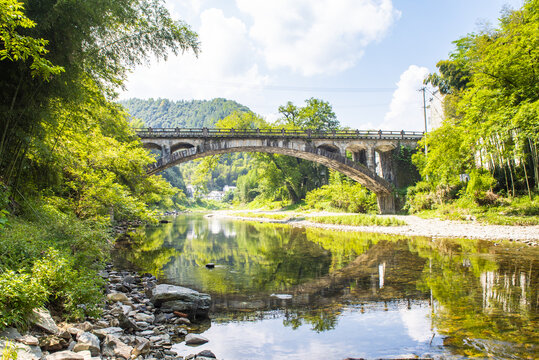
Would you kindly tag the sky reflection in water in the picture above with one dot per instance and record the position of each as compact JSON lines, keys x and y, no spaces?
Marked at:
{"x":375,"y":333}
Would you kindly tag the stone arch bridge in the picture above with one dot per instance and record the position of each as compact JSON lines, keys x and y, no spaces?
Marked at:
{"x":363,"y":155}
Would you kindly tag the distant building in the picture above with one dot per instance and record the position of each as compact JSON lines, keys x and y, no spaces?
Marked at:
{"x":436,"y":108}
{"x":190,"y":191}
{"x":215,"y":195}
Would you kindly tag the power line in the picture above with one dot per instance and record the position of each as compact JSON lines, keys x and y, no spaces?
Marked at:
{"x":433,"y":94}
{"x":301,"y":88}
{"x":328,"y":89}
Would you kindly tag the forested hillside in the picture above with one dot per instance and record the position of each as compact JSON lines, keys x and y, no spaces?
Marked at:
{"x":193,"y":113}
{"x":190,"y":114}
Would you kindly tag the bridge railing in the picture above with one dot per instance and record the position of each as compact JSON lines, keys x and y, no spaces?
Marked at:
{"x":264,"y":133}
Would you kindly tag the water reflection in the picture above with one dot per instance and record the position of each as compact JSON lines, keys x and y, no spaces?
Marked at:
{"x":481,"y":299}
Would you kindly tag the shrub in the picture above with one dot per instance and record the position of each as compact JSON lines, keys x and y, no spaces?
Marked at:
{"x":419,"y":197}
{"x":10,"y":351}
{"x":25,"y":239}
{"x":19,"y":294}
{"x":423,"y":196}
{"x":53,"y":281}
{"x":481,"y":182}
{"x":342,"y":196}
{"x":32,"y":264}
{"x":72,"y":291}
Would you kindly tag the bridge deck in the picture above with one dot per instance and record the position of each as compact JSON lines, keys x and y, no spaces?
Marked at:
{"x":276,"y":133}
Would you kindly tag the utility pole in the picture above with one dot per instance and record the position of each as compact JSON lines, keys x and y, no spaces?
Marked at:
{"x":423,"y":89}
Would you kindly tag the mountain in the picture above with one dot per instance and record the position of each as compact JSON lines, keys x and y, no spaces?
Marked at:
{"x":189,"y":114}
{"x":192,"y":114}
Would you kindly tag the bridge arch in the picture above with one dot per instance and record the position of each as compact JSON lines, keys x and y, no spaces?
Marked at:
{"x":152,"y":145}
{"x":333,"y":160}
{"x":181,"y":145}
{"x":370,"y":163}
{"x":329,"y":147}
{"x":385,"y":146}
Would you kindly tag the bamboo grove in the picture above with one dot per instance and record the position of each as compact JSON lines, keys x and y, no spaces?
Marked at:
{"x":490,"y":85}
{"x":62,"y":63}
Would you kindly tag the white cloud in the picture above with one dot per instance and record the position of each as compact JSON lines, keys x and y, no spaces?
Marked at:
{"x":406,"y":108}
{"x":317,"y":37}
{"x":271,"y":117}
{"x":225,"y":67}
{"x":418,"y":323}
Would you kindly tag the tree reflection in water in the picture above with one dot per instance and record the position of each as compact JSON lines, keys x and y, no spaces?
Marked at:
{"x":483,"y":297}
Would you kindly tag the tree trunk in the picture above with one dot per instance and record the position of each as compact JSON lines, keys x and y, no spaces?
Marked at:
{"x":292,"y":193}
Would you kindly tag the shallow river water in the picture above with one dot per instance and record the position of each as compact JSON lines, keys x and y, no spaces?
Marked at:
{"x":280,"y":292}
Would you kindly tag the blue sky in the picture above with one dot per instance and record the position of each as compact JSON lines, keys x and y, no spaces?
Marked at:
{"x":367,"y":58}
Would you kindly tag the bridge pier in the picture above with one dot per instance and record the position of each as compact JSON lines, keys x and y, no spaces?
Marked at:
{"x":386,"y":203}
{"x":165,"y":153}
{"x":371,"y":159}
{"x":360,"y":157}
{"x":386,"y":166}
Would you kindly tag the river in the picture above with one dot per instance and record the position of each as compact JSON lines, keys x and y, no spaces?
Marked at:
{"x":280,"y":292}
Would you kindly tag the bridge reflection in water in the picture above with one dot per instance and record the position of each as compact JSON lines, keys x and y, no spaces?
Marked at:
{"x":371,"y":162}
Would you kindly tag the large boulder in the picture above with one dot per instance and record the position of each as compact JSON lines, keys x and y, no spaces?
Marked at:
{"x":87,"y":341}
{"x":43,"y":320}
{"x":142,"y":347}
{"x":10,"y":333}
{"x":118,"y":296}
{"x":194,"y":339}
{"x":101,"y":333}
{"x":24,"y":352}
{"x":52,"y":343}
{"x":115,"y":348}
{"x":178,"y":298}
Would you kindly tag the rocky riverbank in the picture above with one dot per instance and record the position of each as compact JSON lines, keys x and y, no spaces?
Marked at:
{"x":141,"y":320}
{"x":416,"y":226}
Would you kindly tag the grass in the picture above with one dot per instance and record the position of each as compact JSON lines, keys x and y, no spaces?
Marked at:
{"x":350,"y":220}
{"x":357,"y":220}
{"x":272,"y":216}
{"x":519,"y":211}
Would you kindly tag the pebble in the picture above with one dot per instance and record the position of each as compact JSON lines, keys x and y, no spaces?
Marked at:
{"x":121,"y":297}
{"x":206,"y":353}
{"x":64,"y":355}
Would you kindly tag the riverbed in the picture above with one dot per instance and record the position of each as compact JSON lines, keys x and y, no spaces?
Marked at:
{"x":414,"y":226}
{"x":288,"y":292}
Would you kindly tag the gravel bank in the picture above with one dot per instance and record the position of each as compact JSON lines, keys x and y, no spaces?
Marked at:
{"x":141,"y":320}
{"x":417,"y":226}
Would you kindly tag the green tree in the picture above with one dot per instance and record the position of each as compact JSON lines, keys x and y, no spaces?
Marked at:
{"x":297,"y":176}
{"x":491,"y":105}
{"x":94,"y":42}
{"x":69,"y":160}
{"x":277,"y":177}
{"x":316,"y":114}
{"x":18,"y":47}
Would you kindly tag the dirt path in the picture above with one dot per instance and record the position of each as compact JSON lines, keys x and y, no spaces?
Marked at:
{"x":417,"y":227}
